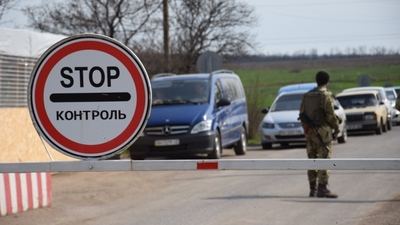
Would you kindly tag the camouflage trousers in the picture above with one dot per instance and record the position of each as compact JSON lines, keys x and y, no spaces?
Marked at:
{"x":315,"y":149}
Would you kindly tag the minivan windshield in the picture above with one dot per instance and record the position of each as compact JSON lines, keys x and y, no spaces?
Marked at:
{"x":168,"y":92}
{"x":357,"y":101}
{"x":288,"y":102}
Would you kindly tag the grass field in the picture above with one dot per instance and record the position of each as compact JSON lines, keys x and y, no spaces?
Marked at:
{"x":262,"y":80}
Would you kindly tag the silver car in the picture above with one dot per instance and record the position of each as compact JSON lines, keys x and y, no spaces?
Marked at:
{"x":392,"y":96}
{"x":282,"y":126}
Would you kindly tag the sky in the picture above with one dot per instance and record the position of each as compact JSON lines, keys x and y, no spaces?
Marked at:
{"x":328,"y":26}
{"x":305,"y":26}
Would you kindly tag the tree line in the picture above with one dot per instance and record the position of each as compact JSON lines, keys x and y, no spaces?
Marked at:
{"x":167,"y":35}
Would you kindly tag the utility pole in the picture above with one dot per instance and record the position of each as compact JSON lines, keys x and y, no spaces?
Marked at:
{"x":166,"y":35}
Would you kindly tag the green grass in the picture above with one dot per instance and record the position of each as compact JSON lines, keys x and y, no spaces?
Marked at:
{"x":268,"y":82}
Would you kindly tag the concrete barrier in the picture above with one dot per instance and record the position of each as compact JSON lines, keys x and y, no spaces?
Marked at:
{"x":23,"y":191}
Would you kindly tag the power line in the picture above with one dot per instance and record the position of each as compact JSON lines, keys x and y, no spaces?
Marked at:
{"x":304,"y":40}
{"x":324,"y":3}
{"x":334,"y":20}
{"x":332,"y":37}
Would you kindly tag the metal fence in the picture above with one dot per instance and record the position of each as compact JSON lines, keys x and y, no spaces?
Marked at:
{"x":15,"y":72}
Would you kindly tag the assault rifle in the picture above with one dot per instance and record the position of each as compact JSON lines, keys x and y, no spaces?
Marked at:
{"x":306,"y":120}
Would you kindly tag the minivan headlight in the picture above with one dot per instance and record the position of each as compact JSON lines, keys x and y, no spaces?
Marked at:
{"x":202,"y":126}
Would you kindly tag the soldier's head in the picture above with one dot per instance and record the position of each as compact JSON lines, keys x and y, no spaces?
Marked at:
{"x":322,"y":78}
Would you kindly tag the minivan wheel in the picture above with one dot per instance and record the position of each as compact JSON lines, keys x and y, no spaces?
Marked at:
{"x":241,"y":146}
{"x":216,"y":153}
{"x":135,"y":157}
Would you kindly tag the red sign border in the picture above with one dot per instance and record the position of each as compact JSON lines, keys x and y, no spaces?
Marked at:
{"x":89,"y":42}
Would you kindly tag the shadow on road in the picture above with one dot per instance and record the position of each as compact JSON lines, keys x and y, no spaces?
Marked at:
{"x":302,"y":199}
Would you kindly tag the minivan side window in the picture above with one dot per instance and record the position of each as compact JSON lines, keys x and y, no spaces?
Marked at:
{"x":239,"y":90}
{"x":217,"y":92}
{"x":232,"y":88}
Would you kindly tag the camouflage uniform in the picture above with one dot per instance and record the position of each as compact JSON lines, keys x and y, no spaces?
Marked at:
{"x":315,"y":149}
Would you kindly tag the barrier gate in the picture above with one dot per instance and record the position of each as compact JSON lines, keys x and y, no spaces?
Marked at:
{"x":222,"y":164}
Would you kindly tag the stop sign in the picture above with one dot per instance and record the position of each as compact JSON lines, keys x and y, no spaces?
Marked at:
{"x":89,"y":96}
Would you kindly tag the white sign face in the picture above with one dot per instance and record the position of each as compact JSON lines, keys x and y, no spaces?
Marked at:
{"x":89,"y":96}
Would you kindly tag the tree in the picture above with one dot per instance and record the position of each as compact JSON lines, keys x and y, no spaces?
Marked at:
{"x":212,"y":25}
{"x":196,"y":26}
{"x":119,"y":19}
{"x":5,"y":6}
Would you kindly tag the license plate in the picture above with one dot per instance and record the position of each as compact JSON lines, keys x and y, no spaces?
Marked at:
{"x":290,"y":132}
{"x":354,"y":126}
{"x":167,"y":142}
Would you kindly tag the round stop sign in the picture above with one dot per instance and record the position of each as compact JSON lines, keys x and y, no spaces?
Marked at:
{"x":89,"y":96}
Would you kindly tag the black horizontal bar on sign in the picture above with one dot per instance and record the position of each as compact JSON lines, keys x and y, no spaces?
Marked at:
{"x":91,"y":97}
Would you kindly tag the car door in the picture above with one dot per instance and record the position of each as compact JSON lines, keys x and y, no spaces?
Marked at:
{"x":221,"y":113}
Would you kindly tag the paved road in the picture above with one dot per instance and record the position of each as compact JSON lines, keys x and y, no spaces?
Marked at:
{"x":230,"y":197}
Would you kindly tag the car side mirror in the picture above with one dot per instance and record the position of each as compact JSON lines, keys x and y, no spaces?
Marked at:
{"x":223,"y":102}
{"x":265,"y":110}
{"x":381,"y":103}
{"x":335,"y":107}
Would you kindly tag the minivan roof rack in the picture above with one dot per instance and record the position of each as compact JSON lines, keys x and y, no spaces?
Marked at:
{"x":163,"y":75}
{"x":222,"y":71}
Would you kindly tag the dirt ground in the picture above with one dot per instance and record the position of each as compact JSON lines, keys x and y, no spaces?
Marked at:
{"x":384,"y":215}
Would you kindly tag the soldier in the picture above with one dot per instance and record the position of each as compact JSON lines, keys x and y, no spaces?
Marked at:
{"x":317,"y":105}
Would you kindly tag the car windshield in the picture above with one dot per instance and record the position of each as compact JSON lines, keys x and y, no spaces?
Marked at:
{"x":180,"y":92}
{"x":287,"y":102}
{"x":357,"y":101}
{"x":390,"y":95}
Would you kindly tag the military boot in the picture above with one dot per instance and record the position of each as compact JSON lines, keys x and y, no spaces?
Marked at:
{"x":313,"y":189}
{"x":324,"y":192}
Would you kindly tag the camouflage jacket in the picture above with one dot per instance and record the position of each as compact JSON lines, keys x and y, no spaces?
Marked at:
{"x":326,"y":106}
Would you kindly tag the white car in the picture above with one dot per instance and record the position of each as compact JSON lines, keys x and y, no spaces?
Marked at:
{"x":382,"y":97}
{"x":282,"y":126}
{"x":364,"y":110}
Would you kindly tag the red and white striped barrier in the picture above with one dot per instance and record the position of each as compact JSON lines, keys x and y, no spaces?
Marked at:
{"x":22,"y":191}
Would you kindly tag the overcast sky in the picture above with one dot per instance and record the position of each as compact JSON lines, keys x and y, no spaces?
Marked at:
{"x":327,"y":26}
{"x":288,"y":26}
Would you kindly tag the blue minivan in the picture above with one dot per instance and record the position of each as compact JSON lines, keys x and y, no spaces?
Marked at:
{"x":194,"y":114}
